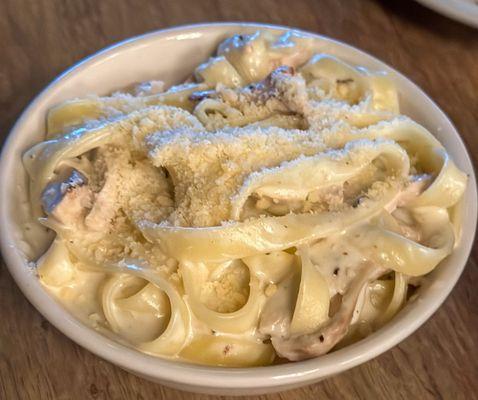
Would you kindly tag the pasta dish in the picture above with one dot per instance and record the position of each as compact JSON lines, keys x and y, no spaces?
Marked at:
{"x":273,"y":207}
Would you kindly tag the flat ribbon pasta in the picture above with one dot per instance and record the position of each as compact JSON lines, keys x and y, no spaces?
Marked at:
{"x":176,"y":334}
{"x":234,"y":322}
{"x":55,"y":267}
{"x":399,"y":296}
{"x":294,"y":180}
{"x":72,"y":114}
{"x":218,"y":71}
{"x":312,"y":304}
{"x":379,"y":302}
{"x":396,"y":252}
{"x":414,"y":138}
{"x":449,"y":183}
{"x":271,"y":267}
{"x":255,"y":56}
{"x":215,"y":113}
{"x":447,"y":188}
{"x":344,"y":82}
{"x":134,"y":308}
{"x":261,"y":235}
{"x":228,"y":352}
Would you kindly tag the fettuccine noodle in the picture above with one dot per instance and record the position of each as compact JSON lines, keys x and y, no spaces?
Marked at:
{"x":277,"y":205}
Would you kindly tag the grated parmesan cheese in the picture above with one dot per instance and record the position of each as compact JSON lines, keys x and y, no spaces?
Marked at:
{"x":208,"y":168}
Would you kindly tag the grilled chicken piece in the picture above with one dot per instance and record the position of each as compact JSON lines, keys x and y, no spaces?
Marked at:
{"x":300,"y":347}
{"x":273,"y":91}
{"x":68,"y":201}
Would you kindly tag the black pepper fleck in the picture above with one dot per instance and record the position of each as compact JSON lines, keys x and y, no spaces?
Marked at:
{"x":227,"y":349}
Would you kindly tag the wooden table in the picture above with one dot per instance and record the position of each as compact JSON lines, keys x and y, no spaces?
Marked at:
{"x":40,"y":38}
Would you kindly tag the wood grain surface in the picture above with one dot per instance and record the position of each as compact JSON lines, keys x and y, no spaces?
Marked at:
{"x":40,"y":38}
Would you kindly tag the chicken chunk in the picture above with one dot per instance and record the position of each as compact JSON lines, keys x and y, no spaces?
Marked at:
{"x":68,"y":201}
{"x":300,"y":347}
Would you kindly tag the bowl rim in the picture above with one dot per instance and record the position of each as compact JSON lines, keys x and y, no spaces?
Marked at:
{"x":457,"y":10}
{"x":192,"y":374}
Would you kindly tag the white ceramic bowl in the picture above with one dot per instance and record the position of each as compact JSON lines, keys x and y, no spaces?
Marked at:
{"x":460,"y":10}
{"x":171,"y":55}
